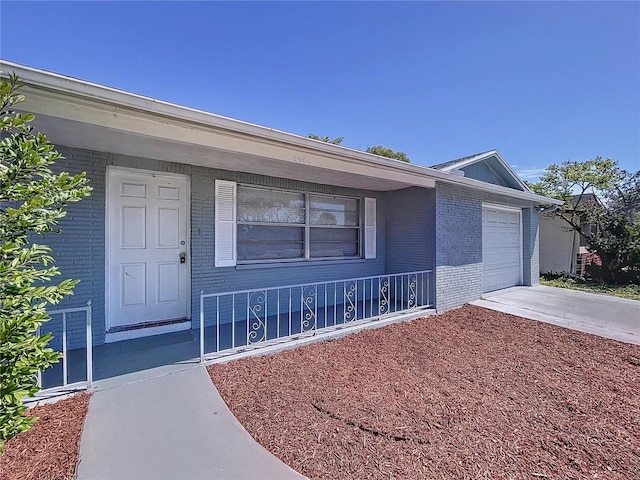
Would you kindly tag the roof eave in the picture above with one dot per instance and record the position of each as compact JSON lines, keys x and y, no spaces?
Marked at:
{"x":498,"y":189}
{"x":108,"y":95}
{"x":484,"y":156}
{"x":456,"y":165}
{"x":109,"y":99}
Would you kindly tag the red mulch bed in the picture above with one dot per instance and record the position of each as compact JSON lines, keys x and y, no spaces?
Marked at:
{"x":49,"y":451}
{"x":471,"y":393}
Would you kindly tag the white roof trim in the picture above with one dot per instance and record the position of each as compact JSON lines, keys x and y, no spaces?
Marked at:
{"x":456,"y":165}
{"x":81,"y":88}
{"x":484,"y":156}
{"x":155,"y":118}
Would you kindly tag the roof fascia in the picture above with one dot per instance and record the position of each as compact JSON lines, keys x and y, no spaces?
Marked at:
{"x":463,"y":163}
{"x":498,"y":189}
{"x":119,"y":98}
{"x":510,"y":171}
{"x":485,"y":156}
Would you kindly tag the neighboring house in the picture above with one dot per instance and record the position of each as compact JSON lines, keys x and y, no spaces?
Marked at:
{"x":562,"y":248}
{"x":186,"y":201}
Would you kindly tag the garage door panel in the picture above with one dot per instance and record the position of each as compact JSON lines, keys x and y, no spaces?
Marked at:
{"x":503,"y":239}
{"x":500,"y":260}
{"x":501,"y":248}
{"x":501,"y":217}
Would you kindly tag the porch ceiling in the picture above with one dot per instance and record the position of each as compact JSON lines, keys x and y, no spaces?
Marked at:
{"x":81,"y":135}
{"x":79,"y":114}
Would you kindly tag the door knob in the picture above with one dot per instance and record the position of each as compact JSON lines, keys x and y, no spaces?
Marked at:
{"x":183,"y":257}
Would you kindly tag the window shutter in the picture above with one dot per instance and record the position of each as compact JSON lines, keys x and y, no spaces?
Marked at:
{"x":225,"y":223}
{"x":369,"y":228}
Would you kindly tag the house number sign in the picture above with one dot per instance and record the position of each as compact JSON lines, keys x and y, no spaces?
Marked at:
{"x":302,"y":160}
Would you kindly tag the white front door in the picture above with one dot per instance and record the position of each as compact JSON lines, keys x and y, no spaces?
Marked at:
{"x":501,"y":248}
{"x":147,"y":248}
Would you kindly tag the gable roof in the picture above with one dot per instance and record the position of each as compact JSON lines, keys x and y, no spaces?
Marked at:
{"x":586,"y":199}
{"x":453,"y":164}
{"x":85,"y":115}
{"x":493,"y":161}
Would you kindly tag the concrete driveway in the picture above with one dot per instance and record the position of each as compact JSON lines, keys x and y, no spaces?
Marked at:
{"x":598,"y":314}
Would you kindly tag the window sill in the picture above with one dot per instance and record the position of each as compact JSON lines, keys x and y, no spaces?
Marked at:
{"x":308,"y":263}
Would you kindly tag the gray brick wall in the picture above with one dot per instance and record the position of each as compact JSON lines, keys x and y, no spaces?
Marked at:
{"x":411,"y":231}
{"x":80,"y":248}
{"x":531,"y":247}
{"x":459,"y":243}
{"x":410,"y":227}
{"x":438,"y":229}
{"x":459,"y":246}
{"x":212,"y":280}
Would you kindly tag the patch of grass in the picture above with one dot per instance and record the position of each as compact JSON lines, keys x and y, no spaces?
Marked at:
{"x":630,"y":291}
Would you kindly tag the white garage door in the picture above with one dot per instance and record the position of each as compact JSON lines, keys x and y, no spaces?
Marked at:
{"x":501,"y":248}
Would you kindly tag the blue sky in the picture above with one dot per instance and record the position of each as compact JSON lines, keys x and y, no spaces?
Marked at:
{"x":542,"y":82}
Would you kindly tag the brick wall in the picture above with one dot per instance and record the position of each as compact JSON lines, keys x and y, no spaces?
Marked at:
{"x":530,"y":247}
{"x":80,"y":248}
{"x":226,"y":279}
{"x":459,"y":243}
{"x":411,"y":231}
{"x":418,"y":229}
{"x":459,"y":246}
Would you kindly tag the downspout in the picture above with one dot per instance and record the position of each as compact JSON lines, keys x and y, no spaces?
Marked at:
{"x":574,"y":254}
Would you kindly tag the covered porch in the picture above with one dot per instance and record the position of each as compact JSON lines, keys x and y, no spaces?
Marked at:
{"x":241,"y":321}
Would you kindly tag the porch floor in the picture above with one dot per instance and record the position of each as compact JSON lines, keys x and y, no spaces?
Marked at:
{"x":182,"y":347}
{"x":127,"y":356}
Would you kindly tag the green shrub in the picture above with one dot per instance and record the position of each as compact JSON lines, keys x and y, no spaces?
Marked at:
{"x":32,"y":200}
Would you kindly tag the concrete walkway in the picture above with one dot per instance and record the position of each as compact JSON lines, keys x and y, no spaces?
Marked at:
{"x":149,"y":422}
{"x":598,"y":314}
{"x":171,"y":426}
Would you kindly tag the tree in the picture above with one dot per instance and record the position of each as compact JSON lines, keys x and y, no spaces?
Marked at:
{"x":32,"y":200}
{"x":387,"y":152}
{"x":620,"y":224}
{"x":611,"y":223}
{"x":625,"y":196}
{"x":377,"y":150}
{"x":334,"y":141}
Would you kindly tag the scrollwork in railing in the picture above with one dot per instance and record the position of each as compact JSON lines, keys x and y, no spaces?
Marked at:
{"x":350,"y":299}
{"x":383,"y":295}
{"x":412,"y":281}
{"x":307,"y":308}
{"x":257,"y":328}
{"x":308,"y":314}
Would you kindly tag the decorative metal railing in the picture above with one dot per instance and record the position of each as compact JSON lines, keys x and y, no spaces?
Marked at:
{"x":232,"y":321}
{"x":70,"y":373}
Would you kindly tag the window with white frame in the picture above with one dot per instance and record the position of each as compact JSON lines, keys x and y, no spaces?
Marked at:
{"x":334,"y":226}
{"x":284,"y":225}
{"x":279,"y":225}
{"x":270,"y":224}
